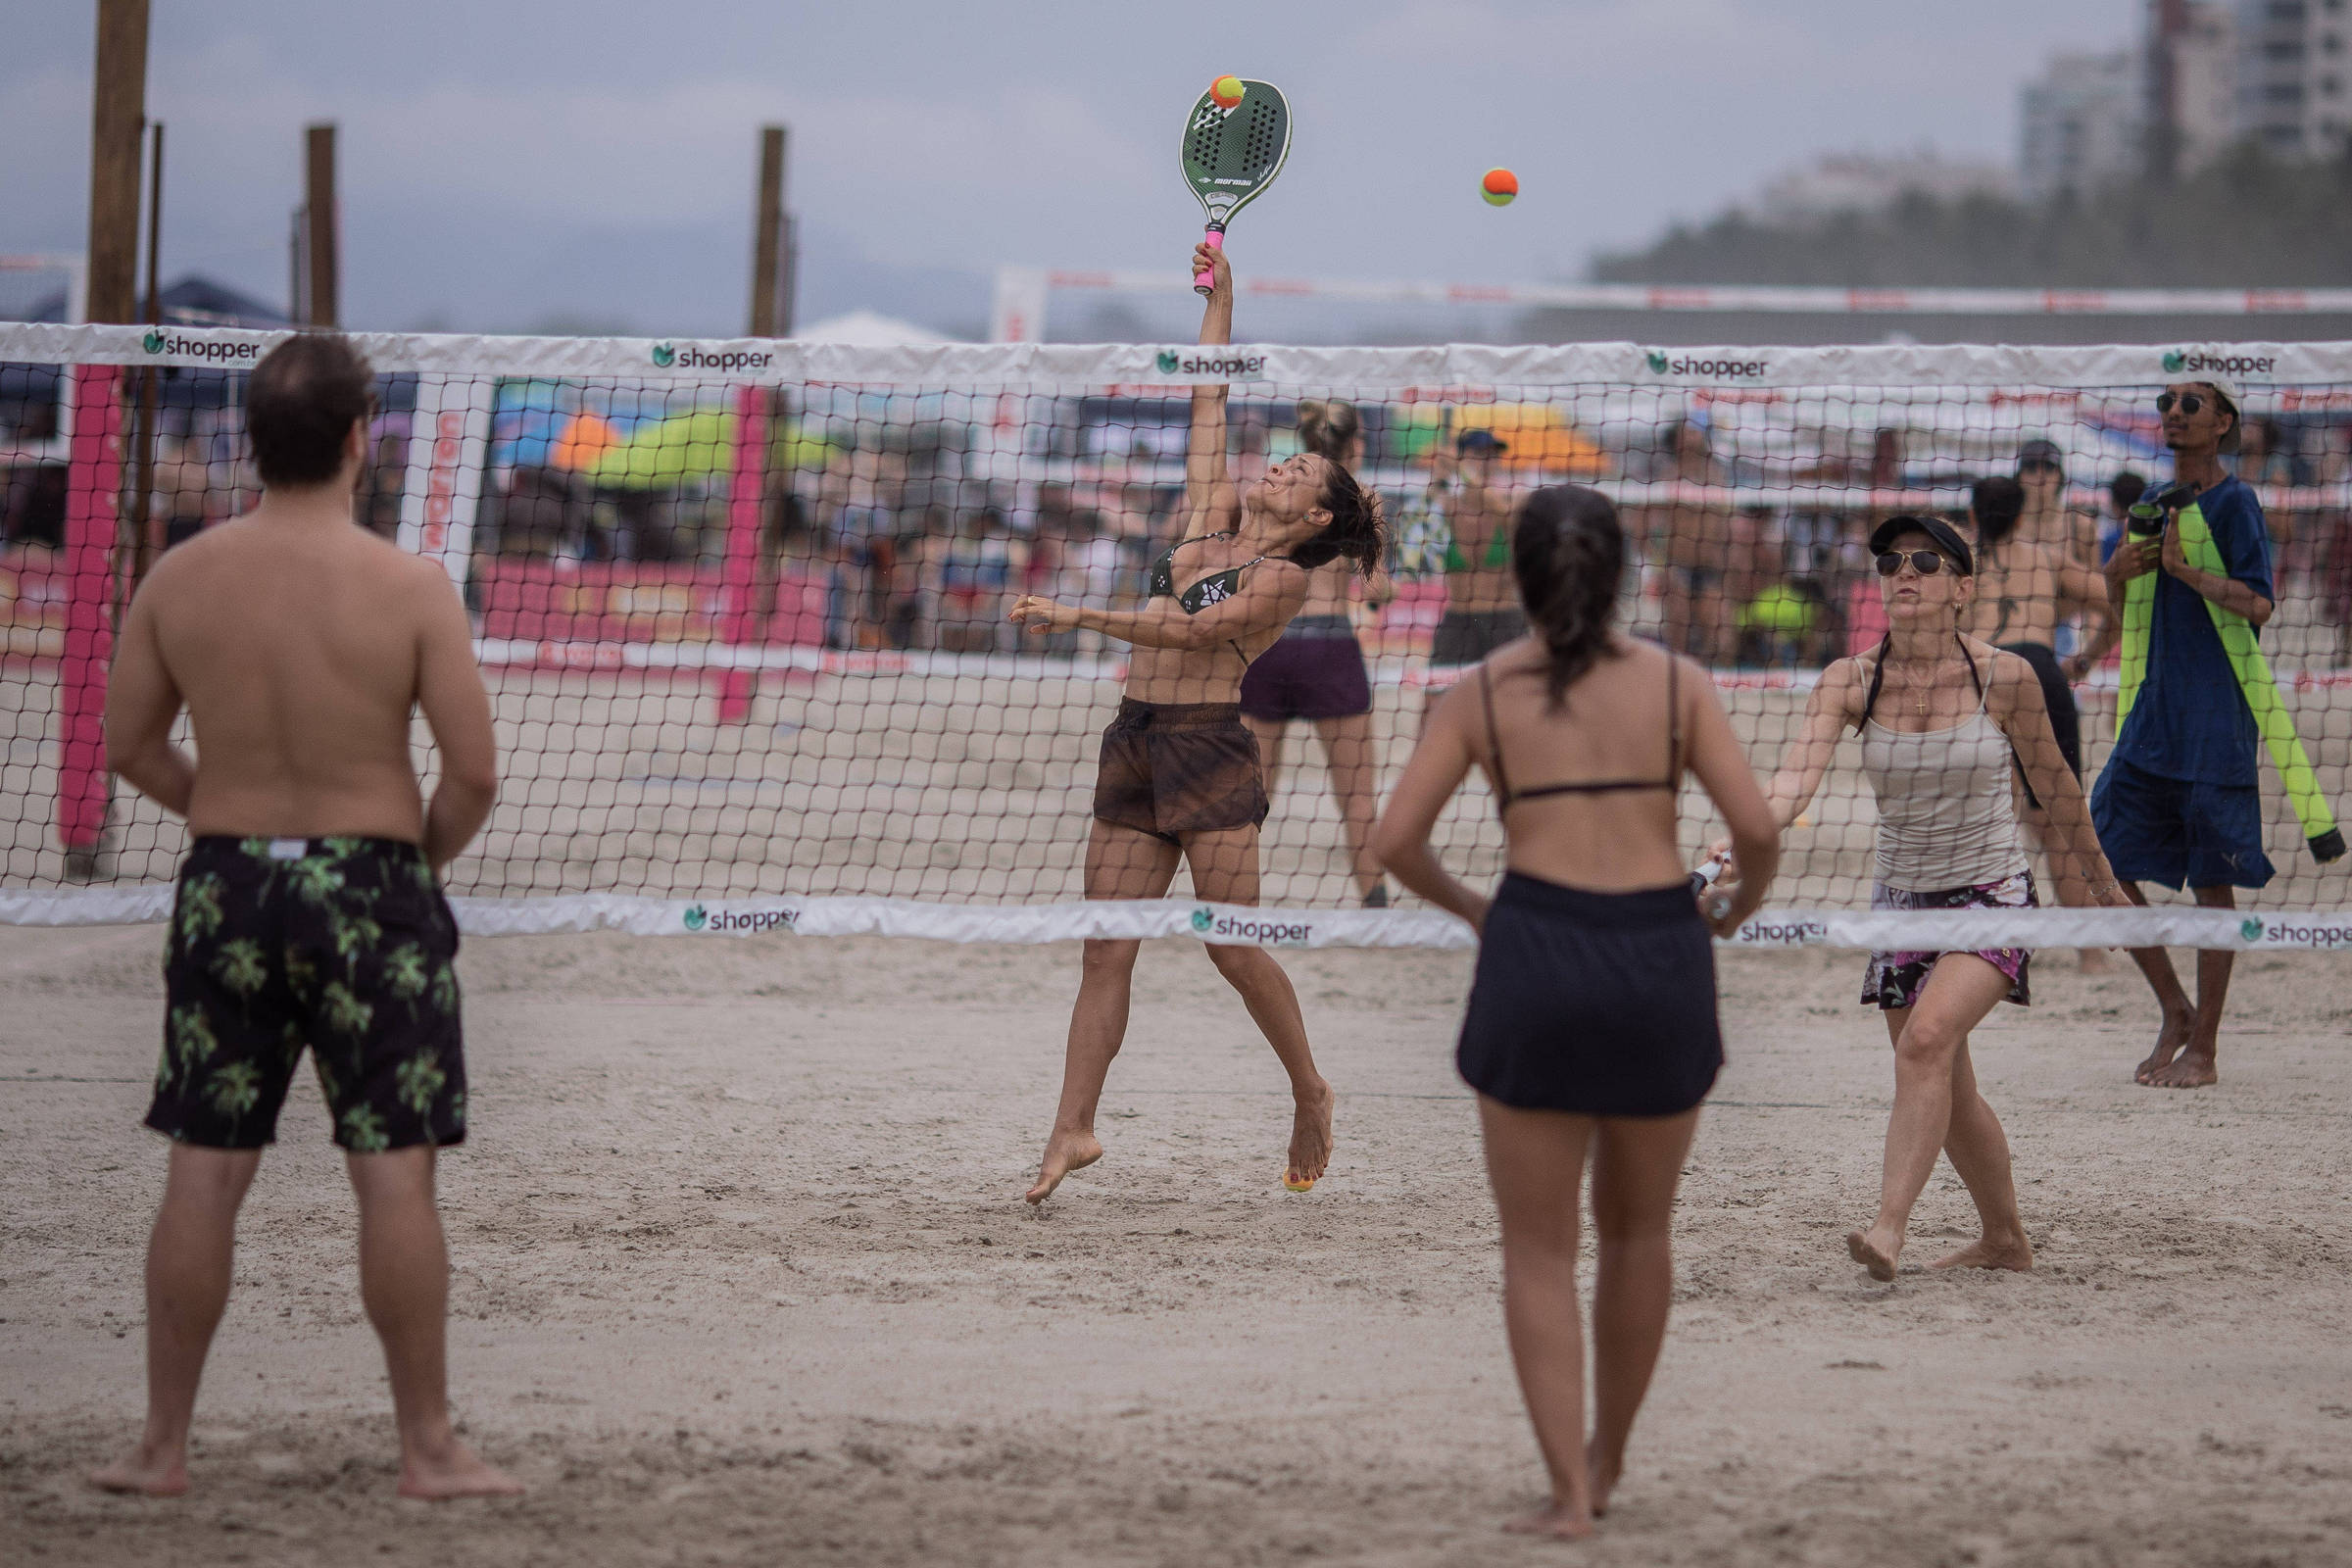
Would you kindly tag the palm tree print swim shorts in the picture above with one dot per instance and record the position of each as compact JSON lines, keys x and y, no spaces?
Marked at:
{"x":343,"y":945}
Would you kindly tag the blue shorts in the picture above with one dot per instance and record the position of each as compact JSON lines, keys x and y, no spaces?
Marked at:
{"x":2178,"y":833}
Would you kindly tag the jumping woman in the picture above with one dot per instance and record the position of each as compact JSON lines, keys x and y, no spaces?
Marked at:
{"x":1591,"y":1034}
{"x":1316,"y":670}
{"x":1942,"y":718}
{"x":1179,"y":775}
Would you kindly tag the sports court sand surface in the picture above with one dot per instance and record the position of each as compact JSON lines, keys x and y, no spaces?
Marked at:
{"x":742,"y":1275}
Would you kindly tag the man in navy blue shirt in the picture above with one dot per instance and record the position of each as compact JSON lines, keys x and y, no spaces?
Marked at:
{"x":2179,"y":801}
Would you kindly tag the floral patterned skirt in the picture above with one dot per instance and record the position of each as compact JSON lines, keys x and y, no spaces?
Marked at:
{"x":1896,"y":979}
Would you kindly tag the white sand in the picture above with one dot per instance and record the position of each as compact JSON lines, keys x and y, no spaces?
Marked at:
{"x":742,"y":1277}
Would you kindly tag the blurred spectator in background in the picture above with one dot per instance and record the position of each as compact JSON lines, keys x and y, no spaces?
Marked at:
{"x":2049,"y":520}
{"x":33,"y":511}
{"x":2268,"y":469}
{"x":1691,"y":535}
{"x":2123,"y":491}
{"x":971,"y":571}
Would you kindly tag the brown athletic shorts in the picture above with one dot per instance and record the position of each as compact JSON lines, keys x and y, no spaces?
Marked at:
{"x":1172,"y":769}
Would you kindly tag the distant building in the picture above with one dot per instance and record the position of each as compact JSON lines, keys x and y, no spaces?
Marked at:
{"x":1847,"y":182}
{"x":2294,"y":75}
{"x":2082,"y":124}
{"x":2192,"y":84}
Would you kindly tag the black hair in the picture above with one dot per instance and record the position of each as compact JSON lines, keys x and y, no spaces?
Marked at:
{"x":300,"y":403}
{"x":1568,"y":553}
{"x":1357,"y":531}
{"x":1328,"y":430}
{"x":2126,"y":488}
{"x":1997,"y":502}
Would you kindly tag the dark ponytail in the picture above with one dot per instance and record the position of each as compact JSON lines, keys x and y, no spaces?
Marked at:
{"x":1568,"y":553}
{"x":1358,"y":533}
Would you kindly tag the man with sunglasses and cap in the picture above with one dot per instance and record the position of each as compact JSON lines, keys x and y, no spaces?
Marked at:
{"x":2177,"y":803}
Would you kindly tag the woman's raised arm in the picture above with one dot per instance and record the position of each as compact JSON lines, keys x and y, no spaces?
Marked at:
{"x":1207,"y":484}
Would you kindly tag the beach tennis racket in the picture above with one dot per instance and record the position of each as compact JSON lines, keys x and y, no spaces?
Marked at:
{"x":1232,"y":155}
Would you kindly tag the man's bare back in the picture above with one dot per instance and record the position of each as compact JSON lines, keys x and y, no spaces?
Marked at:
{"x":301,"y":644}
{"x":2024,"y":589}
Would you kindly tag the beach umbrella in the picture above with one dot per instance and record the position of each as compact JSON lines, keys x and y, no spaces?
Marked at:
{"x":585,"y":440}
{"x":701,"y":445}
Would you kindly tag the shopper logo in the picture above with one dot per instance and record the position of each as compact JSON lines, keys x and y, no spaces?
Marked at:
{"x":219,"y":351}
{"x":1247,"y":365}
{"x":2250,"y":930}
{"x":1270,"y":933}
{"x":2194,"y":361}
{"x":670,"y":356}
{"x":1662,"y":363}
{"x":696,"y":917}
{"x":1202,"y":918}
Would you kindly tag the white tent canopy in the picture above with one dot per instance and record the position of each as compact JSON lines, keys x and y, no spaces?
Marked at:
{"x":868,"y":329}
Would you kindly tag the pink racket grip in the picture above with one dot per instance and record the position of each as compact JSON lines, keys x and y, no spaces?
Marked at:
{"x":1206,"y":283}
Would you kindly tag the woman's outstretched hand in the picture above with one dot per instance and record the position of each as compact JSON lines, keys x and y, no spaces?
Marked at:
{"x":1210,"y":259}
{"x":1041,"y":615}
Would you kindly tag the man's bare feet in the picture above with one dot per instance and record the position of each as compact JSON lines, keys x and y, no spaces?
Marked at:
{"x":453,"y":1470}
{"x":1310,"y":1139}
{"x":1874,"y":1252}
{"x":2014,"y":1253}
{"x":1065,"y":1153}
{"x":2177,"y":1027}
{"x":150,"y":1473}
{"x":1560,"y":1520}
{"x":2191,"y":1069}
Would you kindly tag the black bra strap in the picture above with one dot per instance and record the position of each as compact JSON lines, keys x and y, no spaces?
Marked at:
{"x":1674,"y":723}
{"x":1502,"y":781}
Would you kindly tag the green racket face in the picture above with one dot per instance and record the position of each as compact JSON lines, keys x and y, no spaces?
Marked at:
{"x":1230,"y":155}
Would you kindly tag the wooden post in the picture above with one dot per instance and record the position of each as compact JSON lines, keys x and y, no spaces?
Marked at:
{"x":767,"y":236}
{"x":142,"y":539}
{"x":94,"y":459}
{"x":321,"y":248}
{"x":118,"y":117}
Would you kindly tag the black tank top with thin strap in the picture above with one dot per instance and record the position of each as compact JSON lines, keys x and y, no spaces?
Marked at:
{"x":1505,"y":795}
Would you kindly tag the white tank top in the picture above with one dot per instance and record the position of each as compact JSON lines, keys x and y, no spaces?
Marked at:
{"x":1945,"y":812}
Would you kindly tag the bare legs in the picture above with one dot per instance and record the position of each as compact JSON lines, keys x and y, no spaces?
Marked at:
{"x":189,"y":1254}
{"x":1122,"y":863}
{"x":404,"y":1281}
{"x":1348,"y":753}
{"x":1535,"y":1159}
{"x":1937,"y":1108}
{"x":2189,"y":1041}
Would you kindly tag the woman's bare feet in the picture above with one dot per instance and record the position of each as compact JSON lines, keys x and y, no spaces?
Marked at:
{"x":1562,"y":1521}
{"x":2013,"y":1252}
{"x":153,"y":1472}
{"x":1602,"y":1477}
{"x":453,"y":1470}
{"x":1875,"y":1251}
{"x":1310,"y":1138}
{"x":2169,"y":1038}
{"x":1065,"y":1152}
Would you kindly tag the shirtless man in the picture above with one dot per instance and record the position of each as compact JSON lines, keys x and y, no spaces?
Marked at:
{"x":2047,"y":520}
{"x":309,"y":909}
{"x":2025,"y":590}
{"x":1694,"y":539}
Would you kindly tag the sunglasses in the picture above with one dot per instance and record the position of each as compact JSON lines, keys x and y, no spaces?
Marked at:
{"x":1927,"y":562}
{"x":2186,"y":401}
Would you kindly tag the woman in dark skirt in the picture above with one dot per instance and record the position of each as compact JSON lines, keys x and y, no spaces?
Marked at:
{"x":1179,"y":776}
{"x":1591,"y":1033}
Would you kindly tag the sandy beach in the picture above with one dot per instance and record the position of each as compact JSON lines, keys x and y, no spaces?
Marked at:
{"x":742,"y":1275}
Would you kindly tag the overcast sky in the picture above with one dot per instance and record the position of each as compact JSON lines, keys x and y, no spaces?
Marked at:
{"x":527,"y":164}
